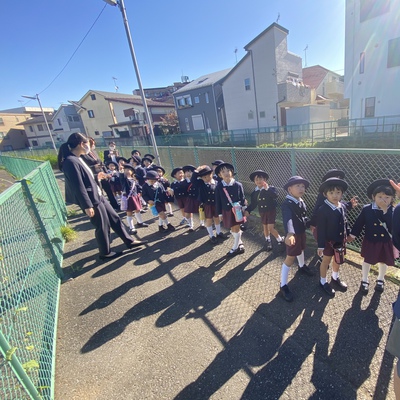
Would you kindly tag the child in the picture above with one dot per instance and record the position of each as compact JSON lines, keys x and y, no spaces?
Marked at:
{"x":115,"y":184}
{"x":154,"y":194}
{"x":132,"y":191}
{"x":121,"y":162}
{"x":178,"y":187}
{"x":206,"y":187}
{"x":214,"y":165}
{"x":140,"y":172}
{"x":230,"y":193}
{"x":192,"y":203}
{"x":295,"y":224}
{"x":332,"y":232}
{"x":165,"y":182}
{"x":147,"y":163}
{"x":376,"y":219}
{"x":264,"y":196}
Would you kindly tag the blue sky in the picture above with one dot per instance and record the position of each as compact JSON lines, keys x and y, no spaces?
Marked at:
{"x":171,"y":39}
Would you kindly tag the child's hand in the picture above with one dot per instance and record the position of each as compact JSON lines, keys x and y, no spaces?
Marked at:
{"x":354,"y":201}
{"x":290,"y":240}
{"x":396,"y":187}
{"x":151,"y":203}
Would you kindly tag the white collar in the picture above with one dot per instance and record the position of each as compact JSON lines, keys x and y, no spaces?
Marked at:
{"x":297,"y":201}
{"x":331,"y":205}
{"x":228,"y":184}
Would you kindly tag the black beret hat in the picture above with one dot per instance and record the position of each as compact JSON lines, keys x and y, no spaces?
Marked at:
{"x":129,"y":166}
{"x":111,"y":162}
{"x":376,"y":184}
{"x":149,"y":156}
{"x":152,"y":175}
{"x":175,"y":170}
{"x":150,"y":160}
{"x":205,"y":171}
{"x":224,"y":165}
{"x":333,"y":182}
{"x":217,"y":162}
{"x":137,"y":159}
{"x":295,"y":180}
{"x":188,"y":168}
{"x":122,"y":158}
{"x":156,"y":167}
{"x":334,"y":173}
{"x":259,"y":172}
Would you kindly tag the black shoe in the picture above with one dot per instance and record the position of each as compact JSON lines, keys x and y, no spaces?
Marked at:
{"x":142,"y":225}
{"x":341,"y":286}
{"x":170,"y":214}
{"x":170,"y":227}
{"x":327,"y":289}
{"x":268,"y":246}
{"x":280,"y":247}
{"x":306,"y":270}
{"x":191,"y":229}
{"x":132,"y":231}
{"x":136,"y":243}
{"x":380,"y":286}
{"x":364,"y":287}
{"x":243,"y":227}
{"x":143,"y":211}
{"x":220,"y":236}
{"x":233,"y":253}
{"x":286,"y":293}
{"x":241,"y":248}
{"x":111,"y":256}
{"x":161,"y":229}
{"x":213,"y":240}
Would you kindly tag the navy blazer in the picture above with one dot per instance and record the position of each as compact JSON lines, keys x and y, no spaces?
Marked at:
{"x":157,"y":195}
{"x":80,"y":183}
{"x":140,"y":173}
{"x":265,"y":199}
{"x":127,"y":185}
{"x":372,"y":220}
{"x":179,"y":188}
{"x":236,"y":193}
{"x":332,"y":225}
{"x":206,"y":191}
{"x":298,"y":215}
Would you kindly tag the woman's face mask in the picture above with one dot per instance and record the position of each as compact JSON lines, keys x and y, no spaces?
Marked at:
{"x":112,"y":148}
{"x":86,"y":148}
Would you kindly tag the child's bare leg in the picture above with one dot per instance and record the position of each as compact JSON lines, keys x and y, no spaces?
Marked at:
{"x":217,"y":224}
{"x":323,"y":271}
{"x":189,"y":217}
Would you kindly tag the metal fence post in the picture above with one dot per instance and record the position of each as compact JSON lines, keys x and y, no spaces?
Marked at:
{"x":196,"y":155}
{"x":293,"y":160}
{"x":233,"y":155}
{"x":171,"y":160}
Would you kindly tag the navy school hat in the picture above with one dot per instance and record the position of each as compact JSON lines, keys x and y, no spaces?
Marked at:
{"x":149,"y":156}
{"x":175,"y":170}
{"x":137,"y":159}
{"x":152,"y":175}
{"x":334,"y":173}
{"x":224,"y":165}
{"x":333,"y":182}
{"x":136,"y":151}
{"x":112,"y":162}
{"x":295,"y":180}
{"x":129,"y":166}
{"x":376,"y":184}
{"x":156,"y":167}
{"x":217,"y":162}
{"x":205,"y":171}
{"x":150,"y":160}
{"x":122,"y":158}
{"x":258,"y":172}
{"x":188,"y":168}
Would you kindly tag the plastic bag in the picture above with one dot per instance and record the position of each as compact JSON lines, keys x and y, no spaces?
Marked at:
{"x":124,"y":203}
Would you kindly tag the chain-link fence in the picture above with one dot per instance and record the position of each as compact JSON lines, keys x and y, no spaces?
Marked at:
{"x":32,"y":212}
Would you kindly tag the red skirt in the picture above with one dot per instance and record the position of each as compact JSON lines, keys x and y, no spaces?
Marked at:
{"x":210,"y":211}
{"x":374,"y":252}
{"x":229,"y":219}
{"x":191,"y":205}
{"x":268,"y":217}
{"x":181,"y":202}
{"x":134,"y":203}
{"x":160,"y":207}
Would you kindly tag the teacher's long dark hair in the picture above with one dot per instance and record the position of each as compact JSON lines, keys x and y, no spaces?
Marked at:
{"x":65,"y":150}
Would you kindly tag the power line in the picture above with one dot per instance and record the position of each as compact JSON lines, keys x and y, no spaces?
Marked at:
{"x":79,"y":45}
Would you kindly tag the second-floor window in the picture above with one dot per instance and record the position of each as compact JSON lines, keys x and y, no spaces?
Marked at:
{"x":207,"y":99}
{"x":59,"y":121}
{"x":362,"y":62}
{"x":40,"y":128}
{"x":370,"y":107}
{"x":30,"y":128}
{"x":247,"y":84}
{"x":90,"y":113}
{"x":184,"y":101}
{"x":393,"y":53}
{"x":93,"y":96}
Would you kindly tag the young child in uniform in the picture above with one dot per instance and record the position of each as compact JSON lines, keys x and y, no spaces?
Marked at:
{"x":332,"y":232}
{"x":214,"y":165}
{"x":147,"y":163}
{"x":132,"y":190}
{"x":121,"y":162}
{"x":295,"y":223}
{"x":178,"y":187}
{"x":377,"y":220}
{"x":192,"y":203}
{"x":169,"y":199}
{"x":115,"y":183}
{"x":229,"y":193}
{"x":264,"y":197}
{"x":140,"y":172}
{"x":206,"y":187}
{"x":154,"y":194}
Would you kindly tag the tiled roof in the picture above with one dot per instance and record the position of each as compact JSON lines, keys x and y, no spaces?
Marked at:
{"x":313,"y":76}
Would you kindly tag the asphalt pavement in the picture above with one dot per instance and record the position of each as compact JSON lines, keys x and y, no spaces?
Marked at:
{"x":176,"y":319}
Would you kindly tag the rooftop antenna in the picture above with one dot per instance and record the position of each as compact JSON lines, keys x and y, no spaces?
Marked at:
{"x":115,"y":84}
{"x":305,"y":56}
{"x":279,"y":17}
{"x":235,"y":51}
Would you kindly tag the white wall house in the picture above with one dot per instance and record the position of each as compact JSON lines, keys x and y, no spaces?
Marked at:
{"x":266,"y":82}
{"x":66,"y":121}
{"x":372,"y":58}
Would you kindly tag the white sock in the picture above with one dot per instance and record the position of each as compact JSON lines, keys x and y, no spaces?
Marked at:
{"x":202,"y":222}
{"x":279,"y":238}
{"x":169,"y":206}
{"x":240,"y":238}
{"x":284,"y":274}
{"x":322,"y":280}
{"x":130,"y":222}
{"x":300,"y":259}
{"x":365,"y":271}
{"x":139,"y":217}
{"x":210,"y":231}
{"x":335,"y":275}
{"x":190,"y":221}
{"x":268,"y":238}
{"x":218,"y":228}
{"x":236,"y":238}
{"x":382,"y":271}
{"x":160,"y":221}
{"x":165,"y":221}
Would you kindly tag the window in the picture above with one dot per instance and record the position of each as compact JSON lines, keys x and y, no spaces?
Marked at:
{"x":370,"y":107}
{"x":197,"y":100}
{"x":93,"y":96}
{"x":250,"y":115}
{"x":184,"y":101}
{"x":262,"y":114}
{"x":34,"y":143}
{"x":2,"y":135}
{"x":76,"y":118}
{"x":59,"y":121}
{"x":362,"y":62}
{"x":1,"y":121}
{"x":198,"y":124}
{"x":187,"y":124}
{"x":40,"y":128}
{"x":247,"y":84}
{"x":51,"y":127}
{"x":207,"y":99}
{"x":69,"y":117}
{"x":394,"y":53}
{"x":30,"y":128}
{"x":97,"y":133}
{"x":90,"y":113}
{"x":373,"y":8}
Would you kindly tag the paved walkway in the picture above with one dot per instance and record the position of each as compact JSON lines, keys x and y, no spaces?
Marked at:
{"x":176,"y":319}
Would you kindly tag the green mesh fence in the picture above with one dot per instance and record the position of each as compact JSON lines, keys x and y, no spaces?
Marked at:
{"x":32,"y":212}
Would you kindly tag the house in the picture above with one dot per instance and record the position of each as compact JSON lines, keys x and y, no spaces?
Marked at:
{"x":37,"y":132}
{"x":164,"y":94}
{"x":200,"y":104}
{"x":66,"y":121}
{"x":372,"y":58}
{"x":113,"y":115}
{"x":12,"y":136}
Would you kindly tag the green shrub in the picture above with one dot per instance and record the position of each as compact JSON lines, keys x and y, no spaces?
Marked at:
{"x":68,"y":233}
